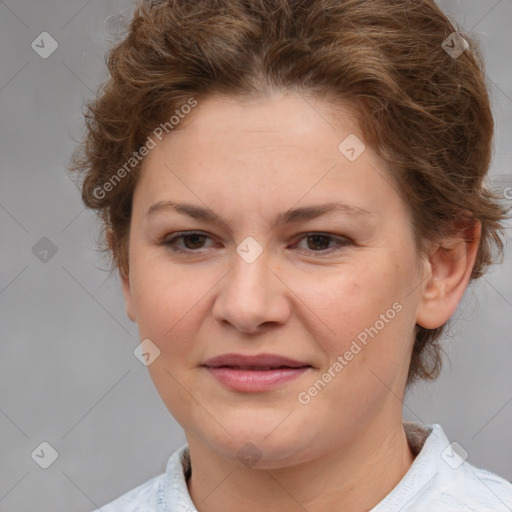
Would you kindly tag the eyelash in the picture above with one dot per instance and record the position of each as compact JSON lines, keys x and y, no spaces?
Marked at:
{"x":341,"y":241}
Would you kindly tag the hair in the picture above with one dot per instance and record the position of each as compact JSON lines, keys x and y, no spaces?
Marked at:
{"x":426,"y":112}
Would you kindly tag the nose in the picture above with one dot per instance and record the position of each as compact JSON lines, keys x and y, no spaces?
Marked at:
{"x":252,"y":296}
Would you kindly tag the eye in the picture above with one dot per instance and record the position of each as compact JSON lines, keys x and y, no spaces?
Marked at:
{"x":192,"y":241}
{"x":320,"y":242}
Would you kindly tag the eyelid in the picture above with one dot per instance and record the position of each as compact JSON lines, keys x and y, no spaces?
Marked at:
{"x":180,"y":235}
{"x":342,"y":241}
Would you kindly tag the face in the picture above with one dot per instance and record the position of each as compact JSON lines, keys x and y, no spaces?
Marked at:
{"x":336,"y":291}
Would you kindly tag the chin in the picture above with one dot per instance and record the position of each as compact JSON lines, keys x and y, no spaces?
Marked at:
{"x":261,"y":448}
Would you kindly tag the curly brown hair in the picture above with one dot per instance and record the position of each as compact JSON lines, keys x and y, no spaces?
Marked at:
{"x":426,"y":111}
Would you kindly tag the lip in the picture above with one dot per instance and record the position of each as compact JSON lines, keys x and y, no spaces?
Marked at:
{"x":254,"y":373}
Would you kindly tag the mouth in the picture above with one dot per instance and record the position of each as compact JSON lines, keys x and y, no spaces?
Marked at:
{"x":260,"y":368}
{"x":259,"y":362}
{"x":258,"y":373}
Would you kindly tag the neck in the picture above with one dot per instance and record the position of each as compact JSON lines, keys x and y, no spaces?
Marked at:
{"x":355,"y":476}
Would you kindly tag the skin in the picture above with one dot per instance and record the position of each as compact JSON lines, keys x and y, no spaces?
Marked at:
{"x":248,"y":161}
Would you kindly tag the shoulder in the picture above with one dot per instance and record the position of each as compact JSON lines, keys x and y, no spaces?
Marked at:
{"x":467,"y":488}
{"x":488,"y":489}
{"x":164,"y":493}
{"x":441,"y":480}
{"x":463,"y":486}
{"x":143,"y":498}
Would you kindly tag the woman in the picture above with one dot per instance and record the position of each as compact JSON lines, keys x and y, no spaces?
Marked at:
{"x":292,"y":193}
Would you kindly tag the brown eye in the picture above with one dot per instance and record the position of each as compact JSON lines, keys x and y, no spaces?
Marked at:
{"x":195,"y":241}
{"x":319,"y":241}
{"x":191,"y":242}
{"x":323,"y":243}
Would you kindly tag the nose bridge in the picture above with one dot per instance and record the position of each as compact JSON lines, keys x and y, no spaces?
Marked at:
{"x":251,"y":294}
{"x":250,"y":270}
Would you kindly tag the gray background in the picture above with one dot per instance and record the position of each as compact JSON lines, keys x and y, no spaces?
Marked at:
{"x":68,"y":374}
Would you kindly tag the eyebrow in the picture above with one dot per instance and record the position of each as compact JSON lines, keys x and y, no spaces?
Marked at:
{"x":289,"y":216}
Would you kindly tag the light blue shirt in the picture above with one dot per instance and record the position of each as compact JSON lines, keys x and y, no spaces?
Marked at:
{"x":439,"y":480}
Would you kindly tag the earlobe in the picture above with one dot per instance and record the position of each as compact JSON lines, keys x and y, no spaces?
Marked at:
{"x":449,"y":269}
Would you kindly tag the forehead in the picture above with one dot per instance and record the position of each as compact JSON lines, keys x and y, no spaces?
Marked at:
{"x":251,"y":153}
{"x":278,"y":117}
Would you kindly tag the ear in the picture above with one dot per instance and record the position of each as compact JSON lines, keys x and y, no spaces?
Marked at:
{"x":449,"y":269}
{"x":125,"y":283}
{"x":128,"y":300}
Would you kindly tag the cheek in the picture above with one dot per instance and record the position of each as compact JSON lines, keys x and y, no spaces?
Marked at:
{"x":170,"y":306}
{"x":365,"y":319}
{"x":336,"y":305}
{"x":169,"y":300}
{"x":348,"y":299}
